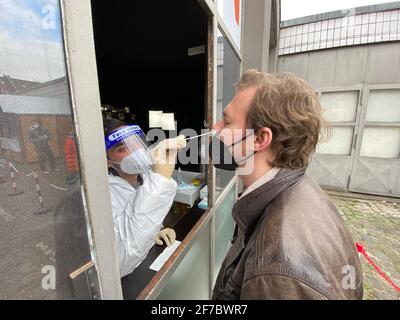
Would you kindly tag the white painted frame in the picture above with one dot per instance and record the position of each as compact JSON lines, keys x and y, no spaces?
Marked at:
{"x":85,"y":99}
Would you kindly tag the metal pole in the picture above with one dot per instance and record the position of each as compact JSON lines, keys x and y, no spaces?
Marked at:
{"x":15,"y":190}
{"x":42,"y":209}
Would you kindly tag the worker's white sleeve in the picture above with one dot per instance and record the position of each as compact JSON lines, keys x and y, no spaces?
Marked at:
{"x":141,"y":220}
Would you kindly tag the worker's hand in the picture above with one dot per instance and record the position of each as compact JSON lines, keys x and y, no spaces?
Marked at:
{"x":167,"y":235}
{"x":164,"y":155}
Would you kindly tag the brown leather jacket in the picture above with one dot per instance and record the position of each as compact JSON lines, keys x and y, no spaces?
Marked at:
{"x":290,"y":243}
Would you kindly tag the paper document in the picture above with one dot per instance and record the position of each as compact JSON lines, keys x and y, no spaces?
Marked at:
{"x":163,"y":257}
{"x":168,"y":121}
{"x":155,"y":119}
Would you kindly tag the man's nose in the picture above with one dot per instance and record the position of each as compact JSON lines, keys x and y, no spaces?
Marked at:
{"x":218,"y":126}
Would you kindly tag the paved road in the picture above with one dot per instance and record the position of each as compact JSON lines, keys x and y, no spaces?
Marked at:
{"x":27,"y":239}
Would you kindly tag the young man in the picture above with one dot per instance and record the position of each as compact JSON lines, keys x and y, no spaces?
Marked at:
{"x":290,"y":241}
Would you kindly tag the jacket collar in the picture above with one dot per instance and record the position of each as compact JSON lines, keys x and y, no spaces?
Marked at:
{"x":248,"y":209}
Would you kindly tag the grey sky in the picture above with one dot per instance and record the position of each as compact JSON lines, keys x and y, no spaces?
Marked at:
{"x":291,"y":9}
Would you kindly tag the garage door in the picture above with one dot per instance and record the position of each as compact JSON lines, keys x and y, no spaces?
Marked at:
{"x":363,"y":151}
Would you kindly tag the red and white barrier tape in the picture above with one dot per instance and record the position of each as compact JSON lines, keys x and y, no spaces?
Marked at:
{"x":58,"y":188}
{"x":361,"y":249}
{"x":13,"y":167}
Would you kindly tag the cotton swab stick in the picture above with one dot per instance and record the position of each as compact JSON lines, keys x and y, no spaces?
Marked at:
{"x":200,"y":135}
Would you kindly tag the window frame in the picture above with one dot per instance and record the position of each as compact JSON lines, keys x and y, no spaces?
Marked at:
{"x":76,"y":19}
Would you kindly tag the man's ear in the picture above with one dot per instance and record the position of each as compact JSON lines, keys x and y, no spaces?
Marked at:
{"x":262,"y":139}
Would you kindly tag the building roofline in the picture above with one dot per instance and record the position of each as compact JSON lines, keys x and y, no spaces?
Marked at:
{"x":341,"y":13}
{"x":30,"y":105}
{"x":41,"y":85}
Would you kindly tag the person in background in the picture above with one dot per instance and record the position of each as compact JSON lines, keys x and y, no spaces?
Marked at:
{"x":39,"y":137}
{"x":141,"y":188}
{"x":71,"y":158}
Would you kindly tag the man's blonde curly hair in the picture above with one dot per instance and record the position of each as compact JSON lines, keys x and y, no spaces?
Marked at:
{"x":290,"y":108}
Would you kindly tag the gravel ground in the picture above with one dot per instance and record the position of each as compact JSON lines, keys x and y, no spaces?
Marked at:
{"x":375,"y":224}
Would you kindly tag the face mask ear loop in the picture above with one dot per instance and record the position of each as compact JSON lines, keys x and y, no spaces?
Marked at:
{"x":236,"y":142}
{"x":243,"y":160}
{"x":114,"y":161}
{"x":113,"y":168}
{"x":233,"y":146}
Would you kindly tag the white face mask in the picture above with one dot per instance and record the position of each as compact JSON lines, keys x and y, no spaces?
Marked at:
{"x":137,"y":162}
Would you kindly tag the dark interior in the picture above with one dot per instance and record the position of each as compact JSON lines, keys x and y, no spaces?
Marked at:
{"x":143,"y":62}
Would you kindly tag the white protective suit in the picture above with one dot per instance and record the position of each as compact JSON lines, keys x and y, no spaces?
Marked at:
{"x":138,"y":215}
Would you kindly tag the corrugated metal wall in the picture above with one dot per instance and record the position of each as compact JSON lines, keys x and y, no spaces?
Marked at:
{"x":359,"y":88}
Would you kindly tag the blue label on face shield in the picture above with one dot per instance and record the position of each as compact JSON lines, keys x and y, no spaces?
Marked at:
{"x":117,"y":136}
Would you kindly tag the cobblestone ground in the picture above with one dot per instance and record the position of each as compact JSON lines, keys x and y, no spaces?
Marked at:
{"x":375,"y":224}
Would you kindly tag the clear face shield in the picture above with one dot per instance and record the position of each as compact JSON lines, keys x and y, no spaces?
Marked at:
{"x":129,"y":144}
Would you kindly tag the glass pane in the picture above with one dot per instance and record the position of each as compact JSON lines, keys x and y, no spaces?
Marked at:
{"x":381,"y":142}
{"x":228,"y":72}
{"x":43,"y":231}
{"x":231,"y":14}
{"x":339,"y":142}
{"x":224,"y":226}
{"x":191,"y":278}
{"x":340,"y":106}
{"x":383,"y":105}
